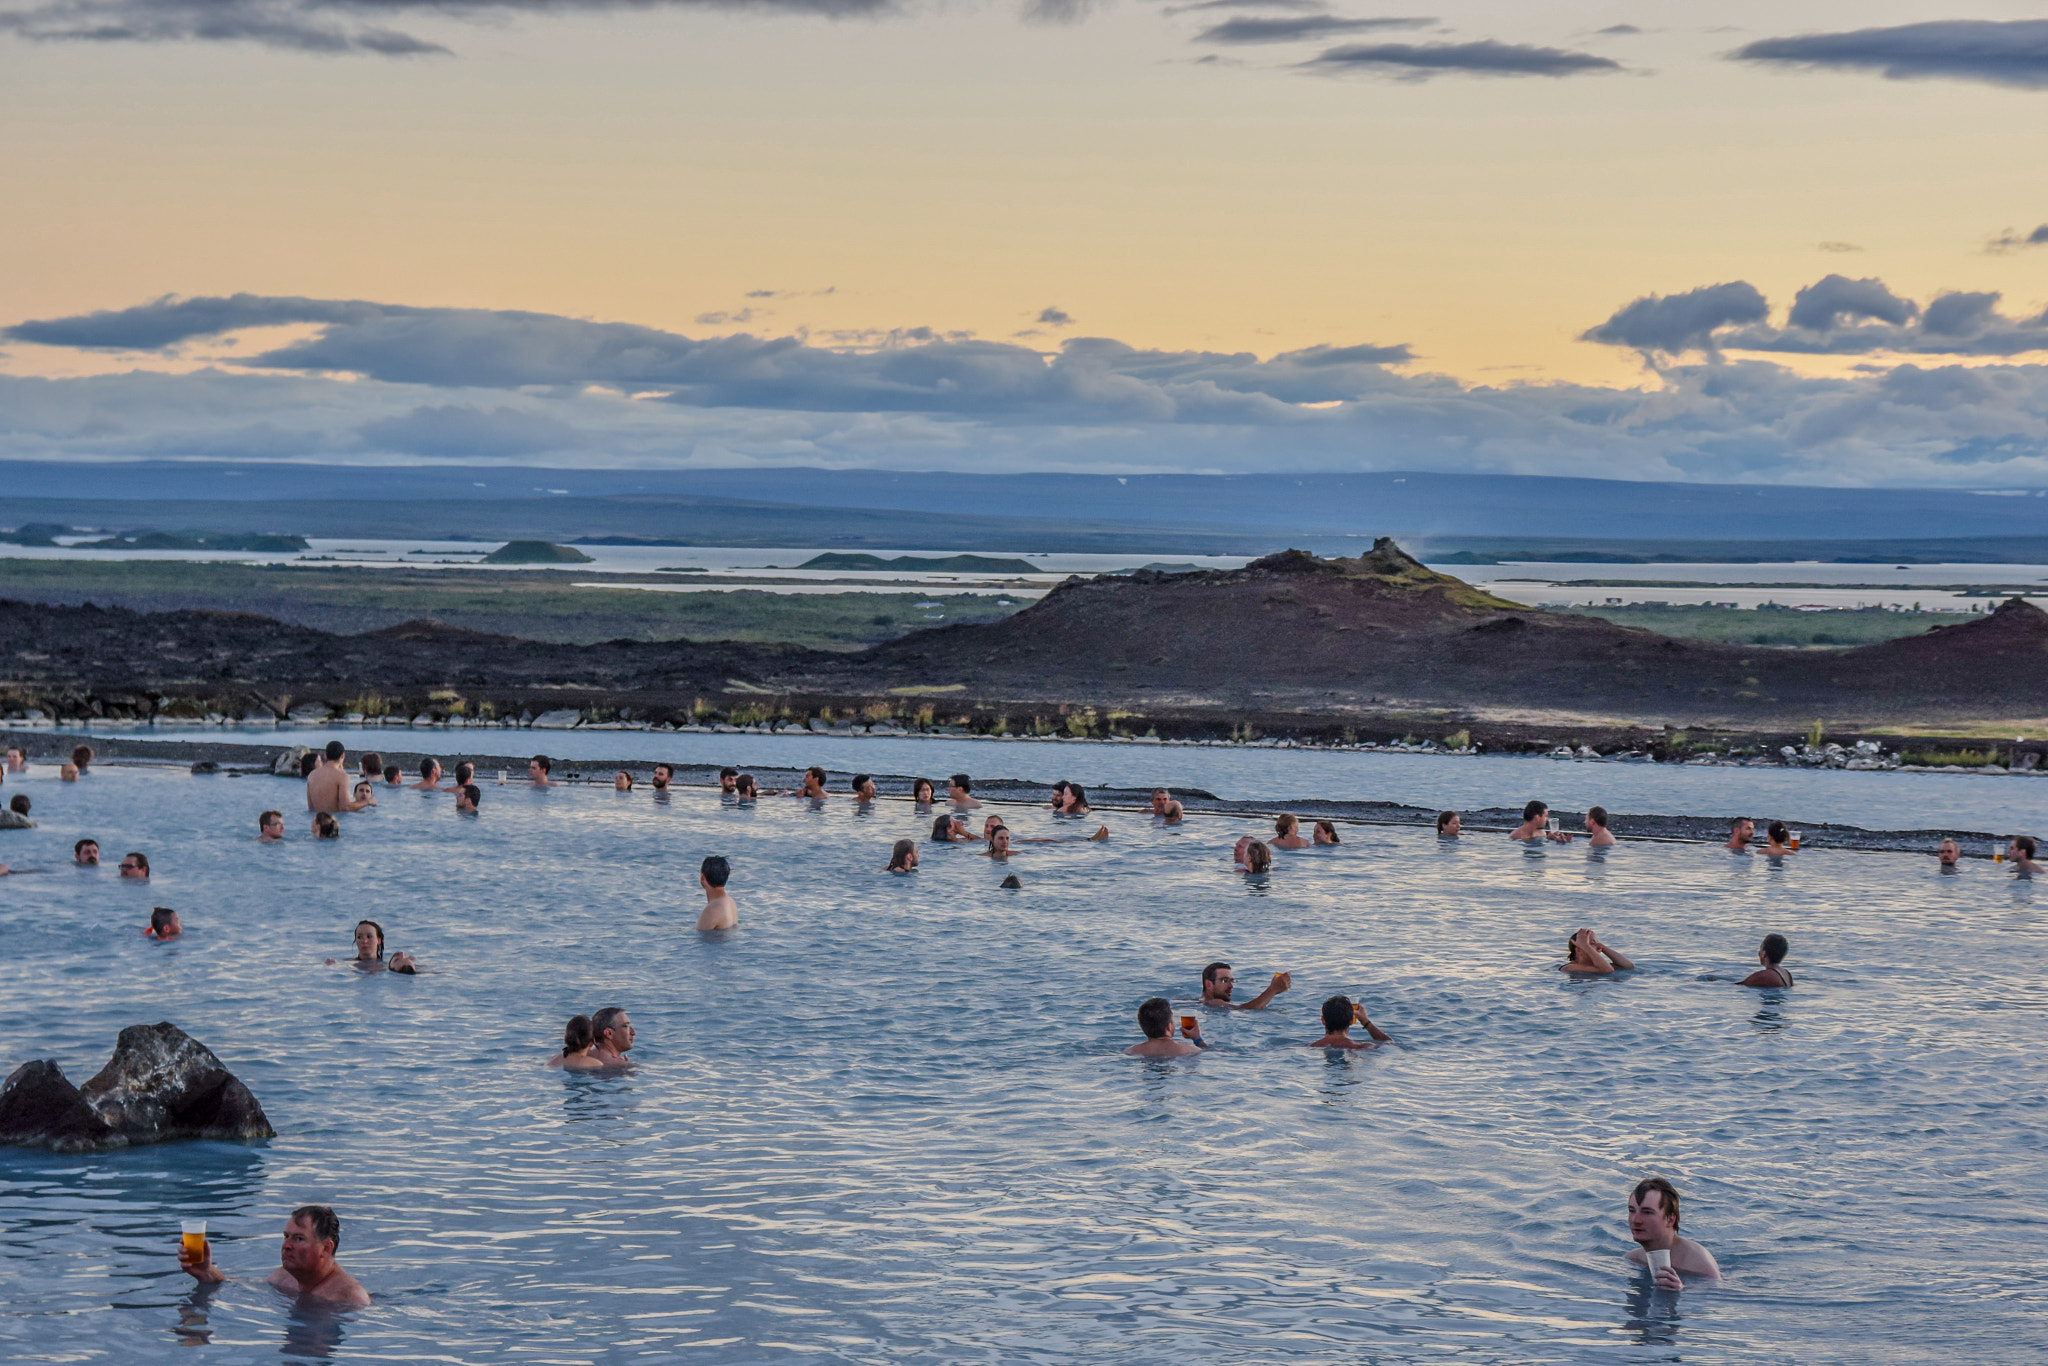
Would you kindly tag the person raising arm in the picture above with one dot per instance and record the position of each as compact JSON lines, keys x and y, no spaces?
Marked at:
{"x":1219,"y":982}
{"x":306,"y":1266}
{"x":1591,"y":958}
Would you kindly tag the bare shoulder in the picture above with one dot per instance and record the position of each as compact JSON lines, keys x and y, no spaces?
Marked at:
{"x":1694,"y":1260}
{"x":341,"y":1288}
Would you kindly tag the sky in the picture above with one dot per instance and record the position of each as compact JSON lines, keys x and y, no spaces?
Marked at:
{"x":1794,"y":242}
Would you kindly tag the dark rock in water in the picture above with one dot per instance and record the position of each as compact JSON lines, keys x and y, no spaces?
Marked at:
{"x":206,"y":766}
{"x":162,"y":1085}
{"x":1011,"y":882}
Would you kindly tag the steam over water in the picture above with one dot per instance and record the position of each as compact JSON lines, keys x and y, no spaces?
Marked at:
{"x":888,"y":1119}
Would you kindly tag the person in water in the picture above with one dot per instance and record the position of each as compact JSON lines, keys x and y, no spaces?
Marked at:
{"x":370,"y":767}
{"x":135,"y":864}
{"x":863,"y":789}
{"x":465,"y":772}
{"x":728,"y":782}
{"x":1950,"y":856}
{"x":1075,"y":802}
{"x":68,"y":772}
{"x":86,"y":853}
{"x":663,"y":776}
{"x":1326,"y":833}
{"x":81,"y":758}
{"x":19,"y":805}
{"x":614,"y":1035}
{"x":306,"y":1266}
{"x":537,"y":770}
{"x":1219,"y":983}
{"x":1741,"y":832}
{"x":1059,"y":794}
{"x":1252,"y":857}
{"x":430,"y":776}
{"x":1597,"y":833}
{"x":1653,"y":1223}
{"x":814,"y":785}
{"x":961,"y":793}
{"x":1772,"y":955}
{"x":468,"y":798}
{"x":1778,"y":840}
{"x":1287,"y":833}
{"x":164,"y":923}
{"x":1165,"y":807}
{"x":745,"y":788}
{"x":902,"y":858}
{"x":1339,"y":1014}
{"x":921,"y":792}
{"x":1155,"y":1017}
{"x":365,"y":795}
{"x":17,"y":759}
{"x":948,"y":828}
{"x":622,"y":781}
{"x":998,"y":843}
{"x":720,"y":911}
{"x":394,"y":776}
{"x":577,"y":1041}
{"x":2020,"y":853}
{"x":1586,"y":956}
{"x":1536,"y":826}
{"x":325,"y":827}
{"x":327,"y":784}
{"x":309,"y":761}
{"x":370,"y":952}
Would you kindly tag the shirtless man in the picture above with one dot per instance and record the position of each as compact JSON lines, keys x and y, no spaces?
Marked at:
{"x":614,"y":1035}
{"x":1597,"y":833}
{"x":1770,"y":954}
{"x":1588,"y":957}
{"x":327,"y":784}
{"x":164,"y":923}
{"x":1287,"y":833}
{"x":1653,"y":1223}
{"x":663,"y":776}
{"x":270,"y":827}
{"x":430,"y":776}
{"x":468,"y":798}
{"x":2020,"y":854}
{"x":370,"y":767}
{"x":1950,"y":855}
{"x":814,"y":785}
{"x":1535,"y":826}
{"x":1447,"y":825}
{"x":863,"y":789}
{"x":1740,"y":832}
{"x":537,"y":770}
{"x":1218,"y":982}
{"x":306,"y":1265}
{"x":86,"y":853}
{"x":728,"y":781}
{"x":1165,"y":807}
{"x":961,"y":793}
{"x":135,"y":864}
{"x":1155,"y":1017}
{"x":1339,"y":1014}
{"x":720,"y":911}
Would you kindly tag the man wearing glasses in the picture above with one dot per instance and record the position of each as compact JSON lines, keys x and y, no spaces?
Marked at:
{"x":1218,"y":982}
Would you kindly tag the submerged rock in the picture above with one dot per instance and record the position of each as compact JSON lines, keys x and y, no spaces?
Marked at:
{"x":161,"y":1086}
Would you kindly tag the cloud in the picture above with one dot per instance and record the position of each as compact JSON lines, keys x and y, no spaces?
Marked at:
{"x":1834,"y":316}
{"x":1619,"y":31}
{"x":2013,"y":241}
{"x":1421,"y":61}
{"x":455,"y":431}
{"x":327,"y":27}
{"x":1247,"y":4}
{"x":1055,"y":317}
{"x":1836,"y":246}
{"x":738,"y":316}
{"x":1242,"y":30}
{"x":1995,"y":52}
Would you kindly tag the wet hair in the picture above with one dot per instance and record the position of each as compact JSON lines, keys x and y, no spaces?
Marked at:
{"x":745,"y":785}
{"x":576,"y":1035}
{"x":899,"y":856}
{"x":962,"y":781}
{"x":2024,"y":843}
{"x":661,"y":769}
{"x":474,"y":793}
{"x":716,"y":870}
{"x":543,"y":763}
{"x":380,"y":936}
{"x":267,"y":817}
{"x":372,"y":762}
{"x":391,"y":772}
{"x":815,"y":772}
{"x":942,"y":829}
{"x":1597,"y":815}
{"x":464,"y":771}
{"x":1209,"y":973}
{"x":623,"y":774}
{"x":82,"y":843}
{"x":142,"y":859}
{"x":1061,"y":786}
{"x":1329,"y":828}
{"x":725,"y":773}
{"x":1076,"y":795}
{"x":1337,"y":1013}
{"x":1257,"y":857}
{"x":427,"y":767}
{"x":860,"y":780}
{"x":1155,"y":1017}
{"x":325,"y":827}
{"x":335,"y":749}
{"x":1663,"y":1188}
{"x":1736,"y":824}
{"x":18,"y":803}
{"x":1775,"y":948}
{"x":160,"y":917}
{"x":603,"y":1022}
{"x":1533,"y":810}
{"x":926,"y":785}
{"x":1284,"y":823}
{"x":326,"y":1223}
{"x":82,"y":756}
{"x":307,"y":763}
{"x":1444,"y":818}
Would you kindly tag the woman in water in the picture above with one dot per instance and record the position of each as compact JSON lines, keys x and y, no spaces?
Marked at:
{"x":948,"y":828}
{"x":1287,"y":833}
{"x":921,"y":792}
{"x":1077,"y":801}
{"x":1252,"y":857}
{"x":1780,"y":841}
{"x":325,"y":827}
{"x":1326,"y":833}
{"x":370,"y":952}
{"x":1586,"y":956}
{"x":903,"y":858}
{"x":622,"y":781}
{"x":577,"y":1041}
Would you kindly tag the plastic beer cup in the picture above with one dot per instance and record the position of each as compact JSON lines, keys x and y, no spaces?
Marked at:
{"x":1189,"y":1026}
{"x":1551,"y":825}
{"x":1997,"y":852}
{"x":1795,"y":841}
{"x":1659,"y":1258}
{"x":192,"y":1234}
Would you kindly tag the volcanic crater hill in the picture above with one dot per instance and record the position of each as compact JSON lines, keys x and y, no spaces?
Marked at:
{"x":1295,"y":631}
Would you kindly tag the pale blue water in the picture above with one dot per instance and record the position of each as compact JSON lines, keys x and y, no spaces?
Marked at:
{"x":887,"y":1120}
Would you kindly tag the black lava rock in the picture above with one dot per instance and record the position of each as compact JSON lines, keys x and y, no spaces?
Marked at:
{"x":161,"y":1086}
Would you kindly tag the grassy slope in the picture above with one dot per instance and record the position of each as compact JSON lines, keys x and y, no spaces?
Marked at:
{"x":538,"y":605}
{"x":1741,"y":626}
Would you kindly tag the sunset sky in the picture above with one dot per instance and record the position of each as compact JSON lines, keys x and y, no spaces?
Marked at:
{"x":1268,"y":234}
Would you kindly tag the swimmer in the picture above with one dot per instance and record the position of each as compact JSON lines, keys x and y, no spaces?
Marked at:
{"x":1287,"y":833}
{"x":370,"y":767}
{"x":903,"y":858}
{"x":961,"y":793}
{"x":622,"y":781}
{"x":614,"y":1035}
{"x":363,"y":795}
{"x":164,"y":923}
{"x":430,"y":776}
{"x":1778,"y":840}
{"x":1218,"y":982}
{"x":998,"y":843}
{"x":728,"y":781}
{"x":19,"y":805}
{"x":951,"y":829}
{"x":1059,"y":794}
{"x":81,"y":758}
{"x":327,"y":784}
{"x":308,"y":761}
{"x":814,"y":785}
{"x":745,"y":788}
{"x":720,"y":911}
{"x":135,"y":865}
{"x":577,"y":1041}
{"x":1326,"y":833}
{"x":17,"y":760}
{"x":2020,"y":853}
{"x":1535,"y":826}
{"x":1771,"y":954}
{"x":1598,"y":835}
{"x":325,"y":827}
{"x":1586,"y":956}
{"x":537,"y":770}
{"x":1155,"y":1017}
{"x":1076,"y":802}
{"x":1165,"y":807}
{"x":369,"y":957}
{"x":921,"y":792}
{"x":306,"y":1265}
{"x":1252,"y":857}
{"x":663,"y":776}
{"x":465,"y":772}
{"x":1740,"y":832}
{"x":1653,"y":1223}
{"x":394,"y":776}
{"x":69,"y":772}
{"x":86,"y":853}
{"x":863,"y":789}
{"x":1950,"y":856}
{"x":1339,"y":1014}
{"x":270,"y":827}
{"x":468,"y":798}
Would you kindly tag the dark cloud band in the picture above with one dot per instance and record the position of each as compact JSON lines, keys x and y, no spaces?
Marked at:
{"x":2009,"y":53}
{"x":1420,"y":61}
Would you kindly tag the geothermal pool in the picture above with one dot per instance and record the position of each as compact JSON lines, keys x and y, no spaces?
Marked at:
{"x":888,"y":1120}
